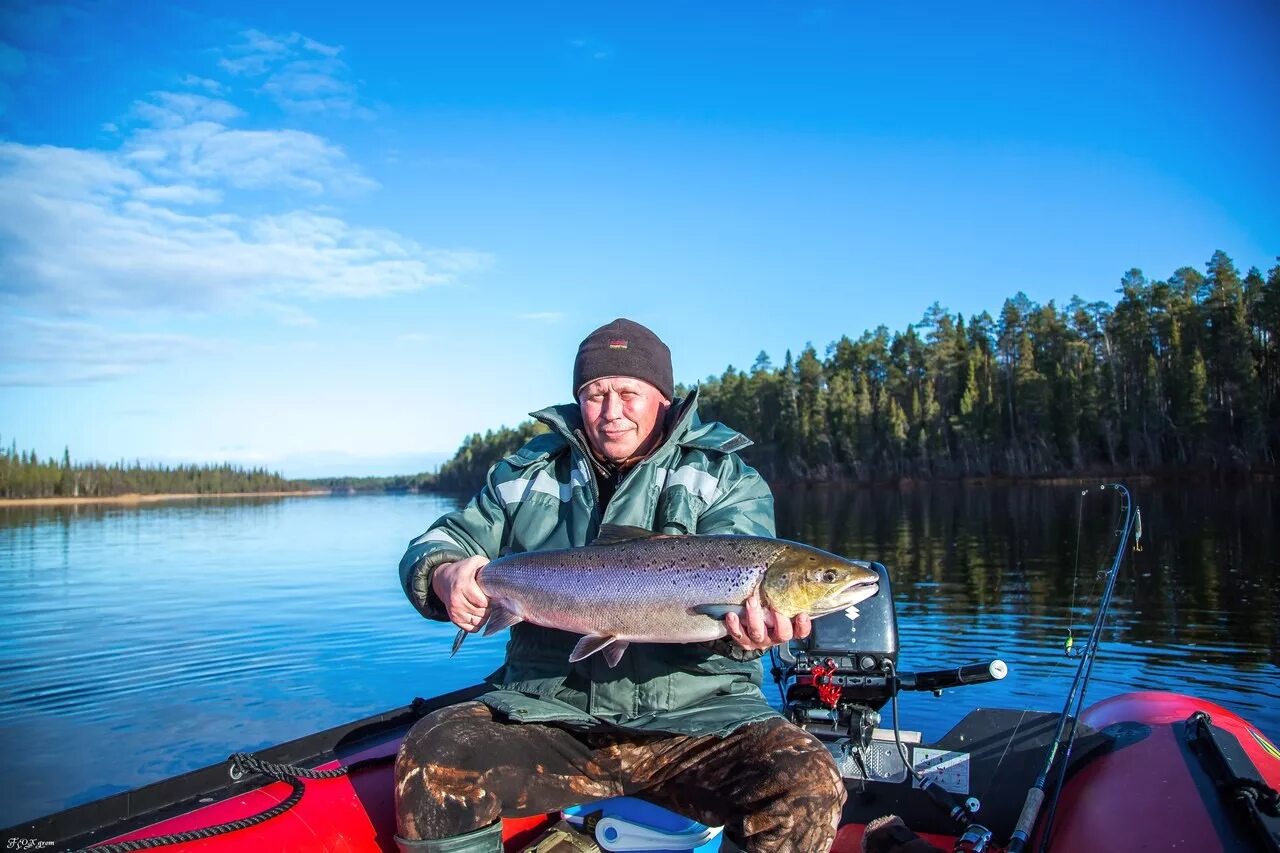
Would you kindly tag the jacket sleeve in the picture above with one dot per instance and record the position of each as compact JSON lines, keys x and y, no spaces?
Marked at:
{"x":744,"y":504}
{"x":476,"y":529}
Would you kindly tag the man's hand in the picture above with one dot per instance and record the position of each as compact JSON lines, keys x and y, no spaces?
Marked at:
{"x":463,"y":598}
{"x":759,"y":631}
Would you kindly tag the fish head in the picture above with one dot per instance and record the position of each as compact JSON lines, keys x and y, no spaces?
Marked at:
{"x":806,"y":580}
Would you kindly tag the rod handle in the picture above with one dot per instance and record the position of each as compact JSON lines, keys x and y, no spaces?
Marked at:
{"x":1026,"y":820}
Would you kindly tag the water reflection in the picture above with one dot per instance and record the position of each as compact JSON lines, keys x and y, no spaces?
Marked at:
{"x":137,"y":642}
{"x":996,"y":572}
{"x":1206,"y":576}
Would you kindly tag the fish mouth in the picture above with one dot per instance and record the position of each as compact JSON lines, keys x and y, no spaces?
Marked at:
{"x":850,"y":595}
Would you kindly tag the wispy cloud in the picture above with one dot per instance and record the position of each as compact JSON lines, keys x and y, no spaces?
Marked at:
{"x":36,"y":351}
{"x":591,"y":48}
{"x":213,"y":87}
{"x":189,"y":213}
{"x":84,"y":231}
{"x":300,"y":74}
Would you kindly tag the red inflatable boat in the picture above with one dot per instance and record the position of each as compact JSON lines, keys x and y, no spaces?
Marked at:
{"x":1147,"y":771}
{"x":1145,"y":784}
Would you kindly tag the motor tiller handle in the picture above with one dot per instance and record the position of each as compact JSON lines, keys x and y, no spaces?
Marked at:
{"x":941,"y":679}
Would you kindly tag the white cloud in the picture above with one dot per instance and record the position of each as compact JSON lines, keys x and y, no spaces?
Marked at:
{"x":83,"y":232}
{"x":175,"y":109}
{"x":155,"y":225}
{"x":301,"y":74}
{"x":184,"y":137}
{"x":256,"y":53}
{"x":591,"y":48}
{"x":179,"y":194}
{"x":213,"y":87}
{"x":205,"y":151}
{"x":36,"y":351}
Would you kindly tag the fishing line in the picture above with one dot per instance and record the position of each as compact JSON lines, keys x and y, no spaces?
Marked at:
{"x":1075,"y":574}
{"x":1065,"y":734}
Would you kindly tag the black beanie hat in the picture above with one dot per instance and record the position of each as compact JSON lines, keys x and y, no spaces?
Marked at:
{"x":624,"y":348}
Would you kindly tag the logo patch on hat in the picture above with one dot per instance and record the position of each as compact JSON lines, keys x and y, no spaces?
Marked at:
{"x":617,"y":344}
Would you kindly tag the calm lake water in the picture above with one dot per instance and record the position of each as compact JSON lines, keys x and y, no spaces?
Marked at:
{"x":136,"y":643}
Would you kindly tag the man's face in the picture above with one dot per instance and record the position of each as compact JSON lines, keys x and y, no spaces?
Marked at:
{"x":620,"y":416}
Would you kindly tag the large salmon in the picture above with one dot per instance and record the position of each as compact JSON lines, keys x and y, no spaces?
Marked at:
{"x":633,"y":585}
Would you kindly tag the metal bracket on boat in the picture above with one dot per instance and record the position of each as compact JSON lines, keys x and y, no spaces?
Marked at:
{"x":1254,"y":803}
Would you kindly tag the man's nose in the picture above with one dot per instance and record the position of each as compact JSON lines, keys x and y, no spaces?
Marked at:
{"x":612,"y":406}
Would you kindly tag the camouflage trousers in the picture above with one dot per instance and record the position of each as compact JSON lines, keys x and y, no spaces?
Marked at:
{"x":771,"y":785}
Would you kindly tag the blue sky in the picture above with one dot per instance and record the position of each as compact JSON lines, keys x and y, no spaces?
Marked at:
{"x":337,"y":238}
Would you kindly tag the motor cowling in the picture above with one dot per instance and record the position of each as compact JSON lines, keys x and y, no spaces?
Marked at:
{"x":854,"y":653}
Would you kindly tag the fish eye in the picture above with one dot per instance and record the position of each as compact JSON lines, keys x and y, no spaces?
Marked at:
{"x":830,"y":575}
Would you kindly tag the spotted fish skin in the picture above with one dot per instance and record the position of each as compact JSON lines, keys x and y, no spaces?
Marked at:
{"x":643,"y":590}
{"x":632,"y":585}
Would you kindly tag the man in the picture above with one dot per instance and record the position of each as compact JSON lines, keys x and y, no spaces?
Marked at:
{"x":683,"y":725}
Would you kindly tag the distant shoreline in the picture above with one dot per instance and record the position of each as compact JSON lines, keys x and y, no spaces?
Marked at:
{"x":132,"y":499}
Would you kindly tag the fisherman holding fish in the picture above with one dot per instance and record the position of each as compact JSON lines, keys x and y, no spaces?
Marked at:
{"x":633,"y":661}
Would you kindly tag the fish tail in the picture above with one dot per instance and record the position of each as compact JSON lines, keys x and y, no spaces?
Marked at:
{"x":457,"y":642}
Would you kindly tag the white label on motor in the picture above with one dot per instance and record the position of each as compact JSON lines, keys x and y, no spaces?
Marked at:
{"x":950,"y":770}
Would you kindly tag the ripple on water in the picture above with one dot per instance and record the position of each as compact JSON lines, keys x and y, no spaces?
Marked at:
{"x":138,"y":643}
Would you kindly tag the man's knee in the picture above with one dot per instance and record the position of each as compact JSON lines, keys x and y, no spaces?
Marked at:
{"x":438,"y":769}
{"x":804,"y":765}
{"x":451,"y":737}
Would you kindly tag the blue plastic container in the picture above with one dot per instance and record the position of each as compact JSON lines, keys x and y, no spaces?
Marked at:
{"x":638,"y":826}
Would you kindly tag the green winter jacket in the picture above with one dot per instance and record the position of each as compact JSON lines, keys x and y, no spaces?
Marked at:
{"x":545,"y":496}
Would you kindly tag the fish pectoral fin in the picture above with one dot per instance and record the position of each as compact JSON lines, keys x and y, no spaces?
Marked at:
{"x":499,"y":618}
{"x":593,"y":643}
{"x":616,"y":534}
{"x":718,"y":611}
{"x":457,"y":642}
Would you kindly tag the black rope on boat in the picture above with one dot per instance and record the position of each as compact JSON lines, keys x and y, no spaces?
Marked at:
{"x":243,"y":764}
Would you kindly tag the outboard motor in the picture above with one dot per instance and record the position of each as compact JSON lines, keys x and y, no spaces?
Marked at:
{"x":842,"y":673}
{"x":837,"y":680}
{"x":847,"y":669}
{"x":859,"y":646}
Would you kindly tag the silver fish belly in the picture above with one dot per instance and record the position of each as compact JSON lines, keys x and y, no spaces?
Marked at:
{"x":645,"y":592}
{"x":650,"y":589}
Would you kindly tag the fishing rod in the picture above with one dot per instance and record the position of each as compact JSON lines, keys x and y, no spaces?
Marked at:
{"x":1065,"y":735}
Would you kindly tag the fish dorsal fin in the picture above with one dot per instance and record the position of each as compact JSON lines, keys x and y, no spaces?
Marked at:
{"x":616,"y":534}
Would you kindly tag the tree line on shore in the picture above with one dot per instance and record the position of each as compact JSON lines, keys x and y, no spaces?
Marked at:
{"x":24,"y":475}
{"x":1180,"y":375}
